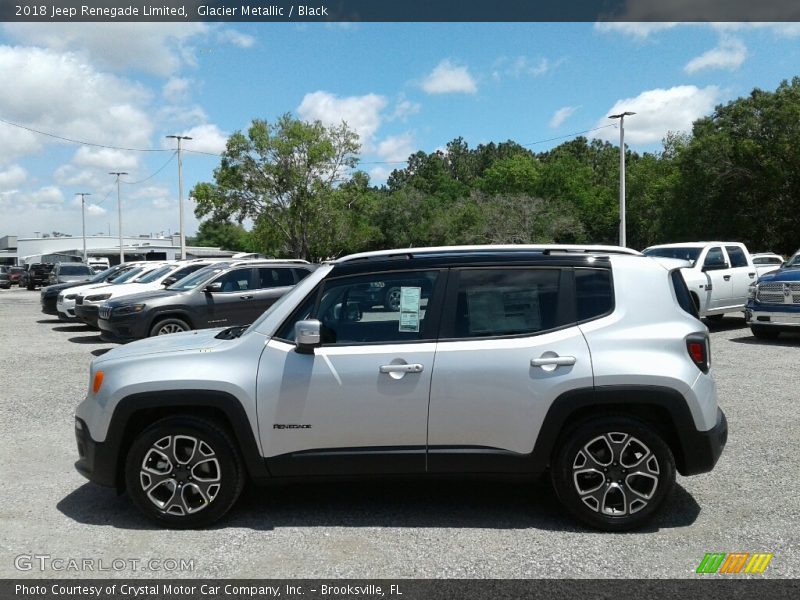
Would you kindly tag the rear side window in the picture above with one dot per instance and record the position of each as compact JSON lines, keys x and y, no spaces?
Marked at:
{"x":738,"y":259}
{"x":501,"y":302}
{"x":594,"y":293}
{"x":682,"y":293}
{"x":274,"y":277}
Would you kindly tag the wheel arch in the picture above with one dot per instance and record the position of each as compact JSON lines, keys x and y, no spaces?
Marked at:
{"x":663,"y":409}
{"x":136,"y":412}
{"x":170,"y":314}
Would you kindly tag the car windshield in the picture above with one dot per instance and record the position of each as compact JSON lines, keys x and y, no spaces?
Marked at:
{"x":682,"y":252}
{"x":157,"y":274}
{"x":197,"y":278}
{"x":132,"y":274}
{"x":74,"y":270}
{"x":794,"y":261}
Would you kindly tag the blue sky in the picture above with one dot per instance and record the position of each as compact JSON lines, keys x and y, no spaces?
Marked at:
{"x":403,"y":87}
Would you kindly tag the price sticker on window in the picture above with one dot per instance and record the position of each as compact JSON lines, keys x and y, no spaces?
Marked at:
{"x":409,"y":308}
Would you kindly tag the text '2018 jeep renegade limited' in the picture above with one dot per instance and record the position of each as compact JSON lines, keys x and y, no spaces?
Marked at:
{"x":587,"y":362}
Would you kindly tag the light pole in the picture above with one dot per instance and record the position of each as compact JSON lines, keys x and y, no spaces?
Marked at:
{"x":621,"y":117}
{"x":83,"y":219}
{"x":119,"y":209}
{"x":180,"y":191}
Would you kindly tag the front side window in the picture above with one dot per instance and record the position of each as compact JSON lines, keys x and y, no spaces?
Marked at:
{"x":501,"y":302}
{"x":715,"y":258}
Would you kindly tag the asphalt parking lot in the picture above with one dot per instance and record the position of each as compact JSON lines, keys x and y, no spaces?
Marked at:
{"x":749,"y":503}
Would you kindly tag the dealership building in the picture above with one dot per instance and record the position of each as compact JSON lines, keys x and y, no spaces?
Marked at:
{"x":20,"y":251}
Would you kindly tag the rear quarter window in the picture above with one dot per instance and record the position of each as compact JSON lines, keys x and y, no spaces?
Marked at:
{"x":682,"y":293}
{"x":594,"y":293}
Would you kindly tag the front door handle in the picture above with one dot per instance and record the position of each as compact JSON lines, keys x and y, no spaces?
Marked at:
{"x":558,"y":361}
{"x":246,"y":297}
{"x":413,"y":368}
{"x":751,"y":275}
{"x":726,"y":277}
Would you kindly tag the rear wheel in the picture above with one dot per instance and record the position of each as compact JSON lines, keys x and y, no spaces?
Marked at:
{"x":613,"y":473}
{"x":184,"y":472}
{"x":391,"y":299}
{"x":764,"y":333}
{"x":170,"y":325}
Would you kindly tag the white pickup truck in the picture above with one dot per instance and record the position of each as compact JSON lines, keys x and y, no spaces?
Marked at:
{"x":719,"y":275}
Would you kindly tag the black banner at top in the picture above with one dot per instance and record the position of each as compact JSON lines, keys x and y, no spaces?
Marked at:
{"x":399,"y":10}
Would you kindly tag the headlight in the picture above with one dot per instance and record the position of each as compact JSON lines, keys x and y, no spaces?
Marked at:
{"x":97,"y":298}
{"x":751,"y":291}
{"x":128,"y":310}
{"x":70,"y":296}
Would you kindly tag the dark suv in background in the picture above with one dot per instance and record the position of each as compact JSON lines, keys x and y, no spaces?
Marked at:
{"x":36,"y":275}
{"x":220,"y":295}
{"x":49,"y":295}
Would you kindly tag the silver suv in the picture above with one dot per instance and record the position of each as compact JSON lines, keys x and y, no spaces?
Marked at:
{"x":587,"y":363}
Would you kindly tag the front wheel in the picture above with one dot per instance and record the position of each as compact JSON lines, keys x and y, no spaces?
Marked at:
{"x":184,"y":472}
{"x":391,"y":299}
{"x":613,"y":473}
{"x":167,"y":326}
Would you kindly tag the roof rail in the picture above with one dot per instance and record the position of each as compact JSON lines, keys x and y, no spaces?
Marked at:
{"x":407,"y":253}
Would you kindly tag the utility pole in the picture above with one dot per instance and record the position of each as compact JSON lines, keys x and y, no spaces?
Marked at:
{"x":180,"y":191}
{"x":621,"y":117}
{"x":119,"y":209}
{"x":83,"y":219}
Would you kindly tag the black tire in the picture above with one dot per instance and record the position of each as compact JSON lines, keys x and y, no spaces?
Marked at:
{"x":160,"y":327}
{"x":764,"y":333}
{"x":31,"y":287}
{"x":636,"y":495}
{"x":714,"y":318}
{"x":391,"y":298}
{"x":198,"y":510}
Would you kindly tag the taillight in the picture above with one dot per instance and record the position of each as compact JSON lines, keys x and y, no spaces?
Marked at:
{"x":699,"y":348}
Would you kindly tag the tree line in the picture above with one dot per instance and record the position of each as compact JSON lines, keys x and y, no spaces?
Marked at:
{"x":736,"y":176}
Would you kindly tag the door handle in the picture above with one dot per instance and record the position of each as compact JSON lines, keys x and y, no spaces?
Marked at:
{"x":558,"y":361}
{"x":726,"y":277}
{"x":751,"y":275}
{"x":413,"y":368}
{"x":246,"y":297}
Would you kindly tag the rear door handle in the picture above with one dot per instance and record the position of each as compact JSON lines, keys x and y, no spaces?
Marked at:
{"x":246,"y":297}
{"x":558,"y":361}
{"x":413,"y":368}
{"x":726,"y":277}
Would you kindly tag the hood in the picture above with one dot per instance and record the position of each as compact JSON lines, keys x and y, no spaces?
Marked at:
{"x":140,"y":297}
{"x":54,"y":289}
{"x":177,"y":342}
{"x":790,"y":274}
{"x":128,"y":289}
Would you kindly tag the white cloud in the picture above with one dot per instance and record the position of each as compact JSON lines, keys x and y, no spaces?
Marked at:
{"x":105,"y":159}
{"x":397,"y":148}
{"x":659,"y":111}
{"x":205,"y":138}
{"x":523,"y":66}
{"x":729,"y":55}
{"x":379,"y":175}
{"x":363,"y":114}
{"x":645,"y":30}
{"x":640,"y":31}
{"x":561,"y":115}
{"x":448,"y":78}
{"x":12,"y":177}
{"x":95,"y":210}
{"x":176,"y":89}
{"x":404,"y":109}
{"x":237,"y":38}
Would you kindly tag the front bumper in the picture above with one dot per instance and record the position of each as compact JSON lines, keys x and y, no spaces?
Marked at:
{"x":49,"y":305}
{"x":94,"y":461}
{"x":122,"y":329}
{"x":87,"y":313}
{"x":773,"y":315}
{"x":702,"y":449}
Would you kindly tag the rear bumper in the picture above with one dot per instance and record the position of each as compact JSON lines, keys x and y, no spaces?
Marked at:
{"x":702,"y":449}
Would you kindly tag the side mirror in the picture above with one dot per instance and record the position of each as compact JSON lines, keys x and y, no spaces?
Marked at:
{"x":168,"y":281}
{"x":213,"y":287}
{"x":307,"y":335}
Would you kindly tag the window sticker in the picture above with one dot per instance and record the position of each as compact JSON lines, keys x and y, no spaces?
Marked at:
{"x":409,"y":308}
{"x":503,"y":311}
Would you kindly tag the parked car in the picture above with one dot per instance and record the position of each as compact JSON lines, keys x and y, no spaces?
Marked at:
{"x":88,"y":301}
{"x":589,"y":365}
{"x":65,"y":303}
{"x":69,"y":272}
{"x":774,"y":302}
{"x":5,"y":278}
{"x":227,"y":293}
{"x":98,"y":264}
{"x":15,"y":274}
{"x":49,"y":295}
{"x":719,"y":276}
{"x":766,"y":262}
{"x":36,"y":275}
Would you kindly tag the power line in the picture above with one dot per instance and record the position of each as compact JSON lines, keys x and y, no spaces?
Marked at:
{"x":161,"y":168}
{"x":82,"y":143}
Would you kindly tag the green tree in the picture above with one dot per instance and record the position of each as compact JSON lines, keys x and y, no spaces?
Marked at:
{"x":222,"y":234}
{"x":283,"y":176}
